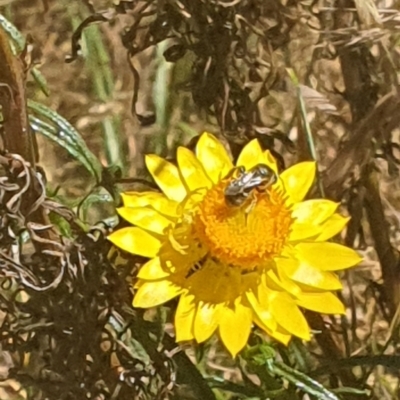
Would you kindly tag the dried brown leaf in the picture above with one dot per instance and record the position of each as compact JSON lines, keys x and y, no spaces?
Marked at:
{"x":368,"y":12}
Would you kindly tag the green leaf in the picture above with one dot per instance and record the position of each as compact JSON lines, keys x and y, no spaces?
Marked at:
{"x":260,"y":354}
{"x":301,"y":381}
{"x":98,"y":195}
{"x":187,"y":130}
{"x":60,"y":131}
{"x":18,"y":44}
{"x":62,"y":225}
{"x":40,"y":80}
{"x":305,"y":125}
{"x":132,"y":346}
{"x":352,"y":391}
{"x":264,"y":356}
{"x":242,"y":390}
{"x":15,"y":35}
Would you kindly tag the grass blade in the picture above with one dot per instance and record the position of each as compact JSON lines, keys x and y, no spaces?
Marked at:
{"x":60,"y":131}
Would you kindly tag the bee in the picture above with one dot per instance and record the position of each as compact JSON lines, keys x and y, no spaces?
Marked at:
{"x":240,"y":188}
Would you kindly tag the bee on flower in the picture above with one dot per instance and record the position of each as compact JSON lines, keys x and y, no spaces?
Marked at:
{"x":238,"y":245}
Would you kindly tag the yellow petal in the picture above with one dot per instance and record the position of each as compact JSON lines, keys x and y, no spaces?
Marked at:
{"x":281,"y":283}
{"x":261,"y":309}
{"x":299,"y":231}
{"x":191,"y":170}
{"x":152,"y":270}
{"x":206,"y":321}
{"x":154,"y":199}
{"x":213,"y":156}
{"x":167,"y":177}
{"x":146,"y":218}
{"x":184,"y":318}
{"x":251,"y":155}
{"x":288,"y":315}
{"x":140,"y":199}
{"x":136,"y":241}
{"x":298,"y":179}
{"x":235,"y":327}
{"x":152,"y":294}
{"x":307,"y":275}
{"x":314,"y":211}
{"x":327,"y":256}
{"x":325,"y":303}
{"x":332,"y":227}
{"x":280,"y":334}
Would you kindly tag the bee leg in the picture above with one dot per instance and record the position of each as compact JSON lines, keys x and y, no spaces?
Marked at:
{"x":249,"y":208}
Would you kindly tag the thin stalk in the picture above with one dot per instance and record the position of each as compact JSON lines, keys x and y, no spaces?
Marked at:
{"x":306,"y":127}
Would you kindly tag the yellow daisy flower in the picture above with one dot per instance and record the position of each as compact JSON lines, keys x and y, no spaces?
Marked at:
{"x":234,"y":251}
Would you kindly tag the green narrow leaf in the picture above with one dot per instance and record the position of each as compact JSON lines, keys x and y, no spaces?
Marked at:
{"x":98,"y":64}
{"x":187,"y":130}
{"x":62,"y":225}
{"x":264,"y":356}
{"x":252,"y":392}
{"x":132,"y":346}
{"x":160,"y":89}
{"x":301,"y":381}
{"x":158,"y":143}
{"x":63,"y":133}
{"x":41,"y":81}
{"x":16,"y":36}
{"x":352,"y":391}
{"x":303,"y":113}
{"x":98,"y":195}
{"x":18,"y":43}
{"x":306,"y":125}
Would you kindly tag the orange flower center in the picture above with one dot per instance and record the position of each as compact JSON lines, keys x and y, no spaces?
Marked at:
{"x":244,"y":236}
